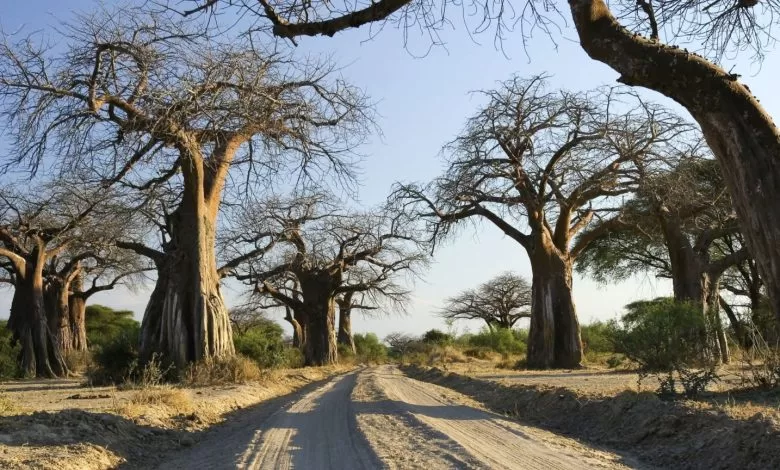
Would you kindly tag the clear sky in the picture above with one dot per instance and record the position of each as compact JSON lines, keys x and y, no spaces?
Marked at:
{"x":423,"y":102}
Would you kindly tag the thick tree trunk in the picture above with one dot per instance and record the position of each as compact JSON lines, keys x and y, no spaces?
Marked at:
{"x":77,"y":309}
{"x":740,"y":133}
{"x":320,"y":348}
{"x":554,"y":338}
{"x":186,"y":319}
{"x":39,"y":355}
{"x":58,"y":314}
{"x":319,"y":308}
{"x":345,"y":328}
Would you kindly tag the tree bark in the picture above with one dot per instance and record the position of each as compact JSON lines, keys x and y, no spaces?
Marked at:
{"x":713,"y":308}
{"x":739,"y":132}
{"x":554,"y":339}
{"x":345,"y":328}
{"x":320,"y":328}
{"x":58,"y":314}
{"x":77,"y":309}
{"x":39,"y":355}
{"x":298,"y":339}
{"x":186,"y":319}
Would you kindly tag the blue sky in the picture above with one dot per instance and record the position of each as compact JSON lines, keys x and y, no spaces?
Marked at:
{"x":423,"y":102}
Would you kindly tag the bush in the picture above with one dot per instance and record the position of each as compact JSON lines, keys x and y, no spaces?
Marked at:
{"x":502,"y":341}
{"x":115,"y":361}
{"x":369,"y":348}
{"x":481,"y":353}
{"x":293,"y":358}
{"x":262,"y":343}
{"x":661,"y":335}
{"x":437,"y":337}
{"x":598,"y":337}
{"x":9,"y":365}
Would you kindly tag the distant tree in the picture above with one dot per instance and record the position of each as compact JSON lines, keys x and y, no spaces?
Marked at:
{"x":104,"y":325}
{"x":437,"y":337}
{"x":499,"y":302}
{"x":246,"y":317}
{"x":543,"y":166}
{"x":330,"y":252}
{"x":400,"y":343}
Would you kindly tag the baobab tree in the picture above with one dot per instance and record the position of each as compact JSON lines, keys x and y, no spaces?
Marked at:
{"x":741,"y":134}
{"x":144,"y":100}
{"x":672,"y":227}
{"x":366,"y":289}
{"x":542,"y":166}
{"x":35,"y":227}
{"x":330,"y":252}
{"x":500,"y":302}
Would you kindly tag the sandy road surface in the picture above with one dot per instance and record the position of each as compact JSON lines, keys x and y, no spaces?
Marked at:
{"x":379,"y":418}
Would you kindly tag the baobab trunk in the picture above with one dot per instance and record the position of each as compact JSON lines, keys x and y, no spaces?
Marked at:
{"x":186,"y":319}
{"x":58,"y":315}
{"x":77,"y":309}
{"x":737,"y":129}
{"x":345,"y":328}
{"x":554,"y":338}
{"x":320,"y":348}
{"x":39,"y":355}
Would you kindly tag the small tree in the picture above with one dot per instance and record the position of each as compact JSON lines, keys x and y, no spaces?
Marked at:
{"x":661,"y":335}
{"x":500,"y":302}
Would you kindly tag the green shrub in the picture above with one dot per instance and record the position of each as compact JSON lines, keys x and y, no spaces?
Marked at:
{"x":437,"y":337}
{"x":115,"y":361}
{"x":293,"y":358}
{"x":598,"y":337}
{"x":369,"y":348}
{"x":661,"y":335}
{"x":9,"y":365}
{"x":501,"y":340}
{"x":262,"y":343}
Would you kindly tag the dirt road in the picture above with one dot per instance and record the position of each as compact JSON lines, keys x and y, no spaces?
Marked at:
{"x":379,"y":418}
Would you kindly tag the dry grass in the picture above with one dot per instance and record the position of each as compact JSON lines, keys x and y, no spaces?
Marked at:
{"x":78,"y":361}
{"x":7,"y":406}
{"x":160,"y":401}
{"x":232,"y":370}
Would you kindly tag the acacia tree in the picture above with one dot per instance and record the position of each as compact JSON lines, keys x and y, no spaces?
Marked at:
{"x":672,"y":227}
{"x":146,"y":99}
{"x":500,"y":302}
{"x":741,"y":134}
{"x":330,"y":252}
{"x":36,"y":227}
{"x":542,"y":166}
